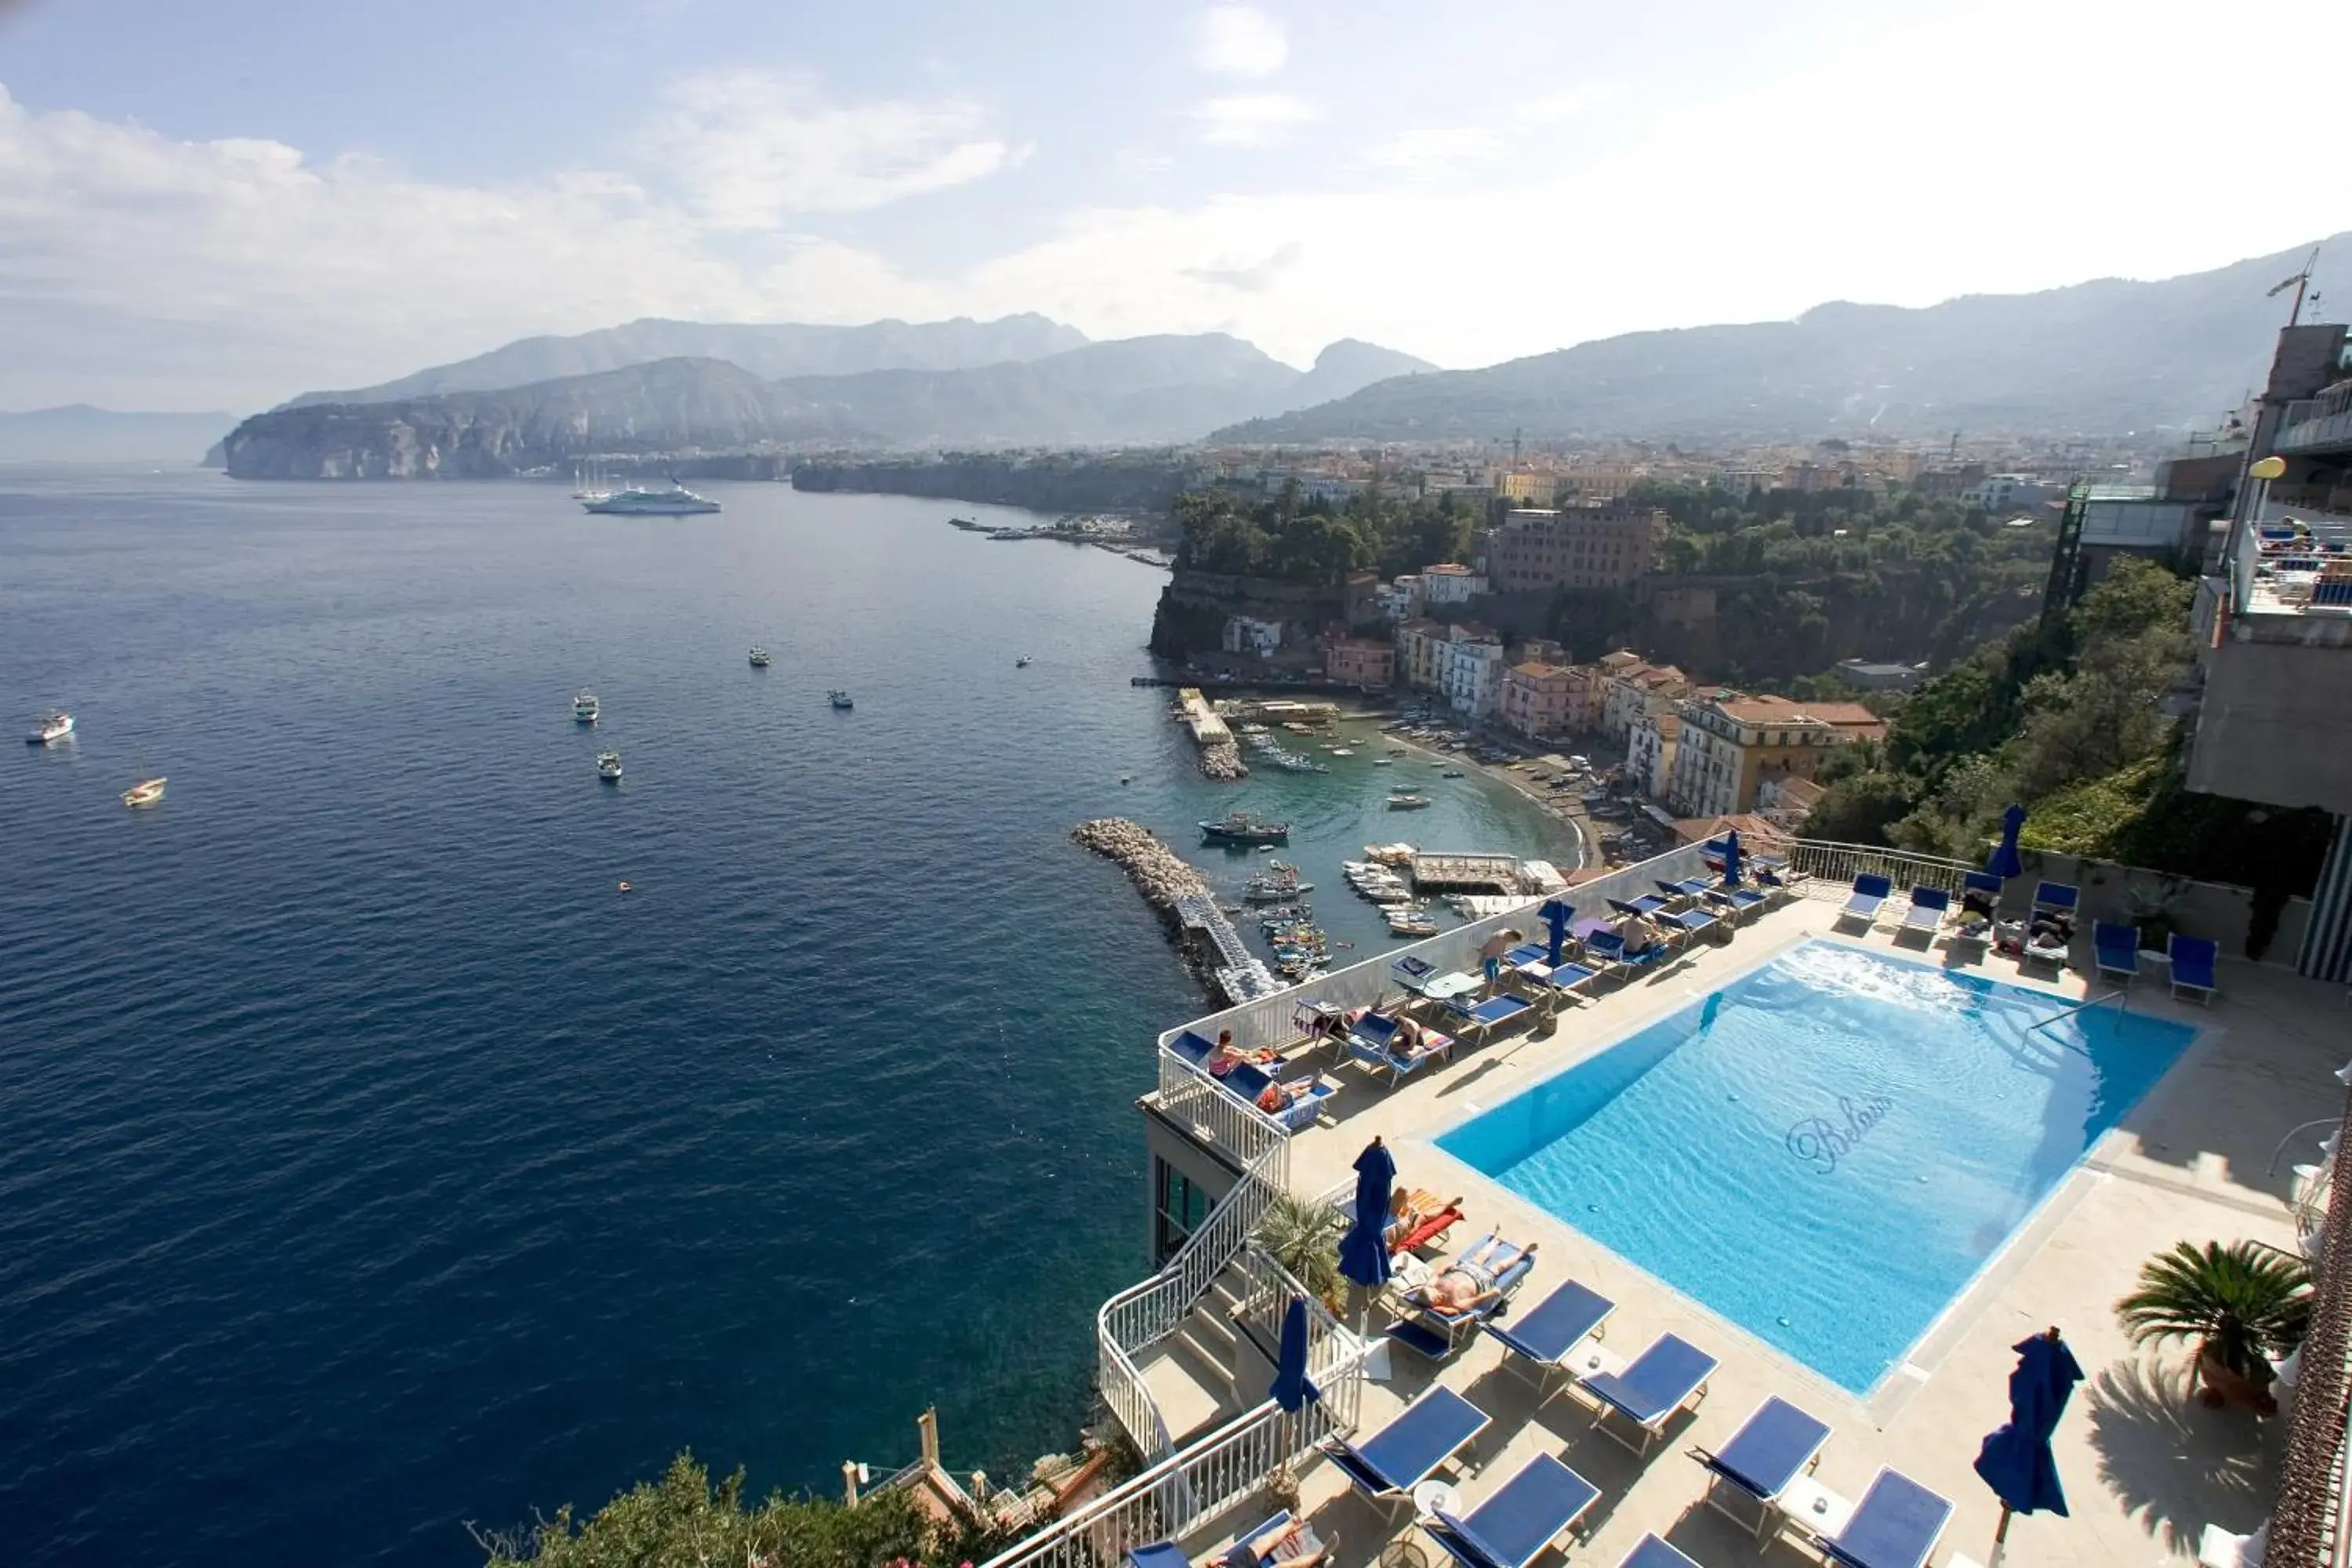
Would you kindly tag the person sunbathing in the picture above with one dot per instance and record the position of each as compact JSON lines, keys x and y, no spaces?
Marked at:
{"x":1276,"y":1098}
{"x":1226,"y":1055}
{"x":1263,"y":1554}
{"x":1407,"y":1217}
{"x":1641,"y":934}
{"x":1472,"y":1280}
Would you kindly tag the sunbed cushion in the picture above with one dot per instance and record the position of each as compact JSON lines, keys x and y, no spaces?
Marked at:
{"x":1531,"y":1508}
{"x":1558,"y":1323}
{"x":1894,"y":1525}
{"x":1771,"y":1449}
{"x":1652,"y":1552}
{"x":1655,"y":1387}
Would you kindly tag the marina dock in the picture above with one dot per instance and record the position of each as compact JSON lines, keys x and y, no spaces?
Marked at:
{"x":1220,"y":757}
{"x":1182,"y":896}
{"x":1467,"y":873}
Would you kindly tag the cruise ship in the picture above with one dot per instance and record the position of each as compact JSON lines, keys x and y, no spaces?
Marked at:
{"x":674,"y":502}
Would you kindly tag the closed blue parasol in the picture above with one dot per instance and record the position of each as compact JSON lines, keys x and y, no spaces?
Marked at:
{"x":1291,"y":1387}
{"x":1557,"y":914}
{"x":2004,"y":862}
{"x":2016,"y":1461}
{"x":1364,"y":1250}
{"x":1731,"y":859}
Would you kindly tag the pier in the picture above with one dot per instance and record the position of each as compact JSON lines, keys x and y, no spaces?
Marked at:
{"x":1463,"y":873}
{"x":1208,"y":939}
{"x":1242,"y":977}
{"x":1221,"y":756}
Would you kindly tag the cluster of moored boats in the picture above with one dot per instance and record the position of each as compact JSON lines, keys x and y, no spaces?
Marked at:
{"x":1376,"y":879}
{"x":1271,"y":750}
{"x":57,"y":726}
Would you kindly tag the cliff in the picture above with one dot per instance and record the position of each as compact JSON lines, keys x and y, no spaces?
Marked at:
{"x":670,"y":406}
{"x":1059,"y":483}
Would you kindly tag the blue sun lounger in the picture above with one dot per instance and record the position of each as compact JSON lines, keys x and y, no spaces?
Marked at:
{"x":1526,"y":954}
{"x":1928,"y":907}
{"x":1372,"y":1041}
{"x":1607,"y":949}
{"x":1771,"y":1449}
{"x":1545,"y":1339}
{"x":1513,"y":1527}
{"x":1387,"y":1465}
{"x":1647,"y":904}
{"x":1869,"y":892}
{"x":1250,"y":1081}
{"x":1486,"y":1016}
{"x":1652,"y":1552}
{"x":1566,"y":978}
{"x":1736,"y":901}
{"x":1664,"y":1379}
{"x":2194,"y":959}
{"x":1193,"y":1047}
{"x":1895,"y":1525}
{"x":1167,"y":1555}
{"x":2115,"y":949}
{"x":1688,"y":888}
{"x":1434,"y":1331}
{"x":1690,"y":925}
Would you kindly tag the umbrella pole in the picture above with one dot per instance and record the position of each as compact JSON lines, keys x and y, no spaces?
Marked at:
{"x":1999,"y":1537}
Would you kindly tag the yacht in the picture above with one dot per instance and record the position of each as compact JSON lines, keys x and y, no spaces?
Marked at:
{"x":588,"y":484}
{"x":839,"y":699}
{"x":674,"y":502}
{"x":50,"y":728}
{"x":146,"y":792}
{"x":758,"y":658}
{"x":584,"y":707}
{"x":608,"y":766}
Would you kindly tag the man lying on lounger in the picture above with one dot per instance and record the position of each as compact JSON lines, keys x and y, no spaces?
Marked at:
{"x":1469,"y":1281}
{"x":1264,"y":1553}
{"x":1276,"y":1098}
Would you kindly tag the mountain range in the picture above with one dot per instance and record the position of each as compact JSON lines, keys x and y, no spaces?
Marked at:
{"x":2102,"y":358}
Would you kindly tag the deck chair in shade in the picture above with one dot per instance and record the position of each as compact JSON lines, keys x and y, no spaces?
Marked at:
{"x":1895,"y":1525}
{"x":1387,"y":1465}
{"x":1778,"y":884}
{"x":1564,"y":980}
{"x":2116,"y":949}
{"x":1549,"y":1338}
{"x":1772,"y":1447}
{"x":1297,"y":1112}
{"x":1736,"y":902}
{"x":1689,"y":925}
{"x":1652,"y":1552}
{"x":1688,"y":888}
{"x":1660,"y":1381}
{"x":1648,"y":904}
{"x":2194,"y":959}
{"x":1511,"y":1528}
{"x":1485,"y":1017}
{"x":1928,"y":907}
{"x":1434,"y":1331}
{"x":1869,"y":892}
{"x":1526,"y":954}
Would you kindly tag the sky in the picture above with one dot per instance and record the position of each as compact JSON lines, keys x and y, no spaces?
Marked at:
{"x":216,"y":206}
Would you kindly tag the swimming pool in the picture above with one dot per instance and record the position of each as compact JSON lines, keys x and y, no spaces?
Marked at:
{"x":1829,"y":1149}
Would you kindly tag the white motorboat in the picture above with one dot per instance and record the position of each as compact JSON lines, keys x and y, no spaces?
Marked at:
{"x":608,"y":766}
{"x":146,"y":792}
{"x":50,"y":728}
{"x":759,"y":658}
{"x":584,"y":707}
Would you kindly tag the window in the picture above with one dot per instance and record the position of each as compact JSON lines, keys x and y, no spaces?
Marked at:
{"x":1180,"y":1209}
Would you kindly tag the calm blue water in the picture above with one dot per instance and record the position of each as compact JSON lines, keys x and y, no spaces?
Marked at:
{"x":1828,"y":1149}
{"x":371,"y":1164}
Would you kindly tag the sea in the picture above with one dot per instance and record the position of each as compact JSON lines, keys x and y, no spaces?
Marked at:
{"x":371,"y":1164}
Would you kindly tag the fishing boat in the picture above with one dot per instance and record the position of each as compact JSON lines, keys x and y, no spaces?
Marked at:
{"x":1021,"y":663}
{"x":146,"y":792}
{"x":759,"y":658}
{"x":1241,"y":827}
{"x":1406,"y":800}
{"x":50,"y":728}
{"x":840,"y":700}
{"x":608,"y":766}
{"x":584,"y":707}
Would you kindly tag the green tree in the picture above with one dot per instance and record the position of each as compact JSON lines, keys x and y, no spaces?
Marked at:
{"x":2241,"y":1304}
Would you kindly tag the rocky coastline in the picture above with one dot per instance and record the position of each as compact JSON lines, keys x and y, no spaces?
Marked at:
{"x":1159,"y":873}
{"x":1223,"y":760}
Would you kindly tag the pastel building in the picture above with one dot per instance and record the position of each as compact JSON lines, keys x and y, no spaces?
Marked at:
{"x":1536,"y":699}
{"x":1360,"y":661}
{"x":1472,"y":671}
{"x":1450,"y":583}
{"x":1638,"y":689}
{"x":1730,"y":744}
{"x":1418,"y":654}
{"x":1650,"y":752}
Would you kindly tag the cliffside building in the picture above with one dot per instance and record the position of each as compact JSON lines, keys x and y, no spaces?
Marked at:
{"x":1472,"y":670}
{"x":1650,"y":752}
{"x":1360,"y":661}
{"x":1637,"y":689}
{"x":1604,"y":545}
{"x":1448,"y":582}
{"x":1537,"y":699}
{"x":1419,"y":648}
{"x":1730,"y":744}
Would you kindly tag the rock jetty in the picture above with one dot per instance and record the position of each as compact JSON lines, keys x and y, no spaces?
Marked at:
{"x":1158,"y":872}
{"x":1223,"y":760}
{"x":1211,"y":948}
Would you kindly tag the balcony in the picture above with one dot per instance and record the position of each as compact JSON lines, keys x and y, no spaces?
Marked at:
{"x":2317,"y":424}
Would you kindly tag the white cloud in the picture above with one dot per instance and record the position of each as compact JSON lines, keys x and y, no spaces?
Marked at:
{"x":753,"y":149}
{"x":1249,"y":120}
{"x":1431,"y":148}
{"x":1567,"y":103}
{"x":1241,"y":40}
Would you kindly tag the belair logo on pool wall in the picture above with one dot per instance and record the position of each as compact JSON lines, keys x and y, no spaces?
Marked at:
{"x":1822,"y":1142}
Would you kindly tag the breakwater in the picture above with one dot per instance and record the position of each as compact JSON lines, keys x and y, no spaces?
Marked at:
{"x":1212,"y":949}
{"x":1223,"y":760}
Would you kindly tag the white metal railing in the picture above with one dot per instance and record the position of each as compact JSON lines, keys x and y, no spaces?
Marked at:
{"x":1215,"y":1115}
{"x":1143,"y":1314}
{"x":1176,"y":1496}
{"x":1832,"y":867}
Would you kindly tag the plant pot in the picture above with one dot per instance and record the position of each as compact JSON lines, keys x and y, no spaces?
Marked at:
{"x":2223,"y":1389}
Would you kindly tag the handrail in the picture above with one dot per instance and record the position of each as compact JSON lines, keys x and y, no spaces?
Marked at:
{"x":1834,"y":867}
{"x":2117,"y":995}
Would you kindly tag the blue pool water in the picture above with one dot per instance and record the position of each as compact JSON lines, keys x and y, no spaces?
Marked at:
{"x":1829,"y":1149}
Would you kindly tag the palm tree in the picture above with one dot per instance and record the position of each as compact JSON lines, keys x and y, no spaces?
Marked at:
{"x":1303,"y":1235}
{"x":2241,"y":1304}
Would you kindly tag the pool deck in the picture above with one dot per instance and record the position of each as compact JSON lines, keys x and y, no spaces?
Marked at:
{"x":2144,"y":1466}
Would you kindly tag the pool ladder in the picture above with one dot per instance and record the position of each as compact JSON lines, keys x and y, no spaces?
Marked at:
{"x":2115,"y":995}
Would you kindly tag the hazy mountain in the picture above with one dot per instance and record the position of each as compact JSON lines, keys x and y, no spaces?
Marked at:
{"x":768,"y":351}
{"x":79,"y":433}
{"x":1348,"y":366}
{"x":1135,"y":391}
{"x":2103,"y":357}
{"x":664,"y":406}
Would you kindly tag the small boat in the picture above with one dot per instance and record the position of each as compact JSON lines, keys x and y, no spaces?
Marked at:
{"x":1241,"y":827}
{"x":1407,"y":800}
{"x":608,"y":766}
{"x":1127,"y":778}
{"x":758,"y":658}
{"x":1021,"y":663}
{"x":1451,"y":773}
{"x":50,"y":728}
{"x":1383,"y":761}
{"x":584,"y":707}
{"x":840,"y":700}
{"x":1341,"y":752}
{"x":146,"y":792}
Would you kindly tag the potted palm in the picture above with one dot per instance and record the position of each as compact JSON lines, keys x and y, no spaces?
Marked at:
{"x":2240,"y":1304}
{"x":1303,"y":1235}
